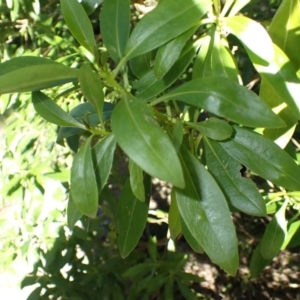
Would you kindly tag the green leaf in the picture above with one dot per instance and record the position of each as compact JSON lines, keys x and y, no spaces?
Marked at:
{"x":73,"y":214}
{"x":284,"y":29}
{"x":114,"y":25}
{"x":91,"y":87}
{"x":79,"y":24}
{"x":293,"y":228}
{"x":237,"y":6}
{"x":177,"y":134}
{"x":149,"y":85}
{"x":282,"y":78}
{"x":281,"y":136}
{"x":103,"y":155}
{"x":257,"y":262}
{"x":204,"y":211}
{"x":51,"y":112}
{"x":168,"y":54}
{"x":274,"y":235}
{"x":87,"y":113}
{"x":136,"y":180}
{"x":90,"y":5}
{"x":132,"y":217}
{"x":191,"y":240}
{"x":158,"y":27}
{"x":17,"y":63}
{"x":227,"y":99}
{"x":142,"y":64}
{"x":213,"y":128}
{"x":142,"y":139}
{"x":247,"y":31}
{"x":174,"y":217}
{"x":84,"y":190}
{"x":263,"y":157}
{"x":240,"y":192}
{"x":36,"y":77}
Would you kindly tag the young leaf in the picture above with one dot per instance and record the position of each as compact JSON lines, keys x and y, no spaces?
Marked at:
{"x":213,"y":128}
{"x":141,"y":138}
{"x":158,"y":27}
{"x":174,"y":217}
{"x":168,"y":54}
{"x":248,"y":31}
{"x":79,"y":24}
{"x":51,"y":112}
{"x":204,"y":211}
{"x":36,"y":77}
{"x":103,"y":155}
{"x":136,"y":181}
{"x":240,"y":192}
{"x":149,"y":86}
{"x":114,"y":25}
{"x":282,"y":78}
{"x":73,"y":214}
{"x":263,"y":157}
{"x":84,"y":191}
{"x":132,"y":217}
{"x":284,"y":29}
{"x":293,"y":228}
{"x":257,"y":262}
{"x":227,"y":99}
{"x":91,"y":87}
{"x":274,"y":235}
{"x":237,"y":6}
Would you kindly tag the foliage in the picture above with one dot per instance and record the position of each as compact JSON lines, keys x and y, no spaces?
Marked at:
{"x":172,"y":96}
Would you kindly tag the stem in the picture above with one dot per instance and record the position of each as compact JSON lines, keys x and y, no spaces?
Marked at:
{"x":119,"y":66}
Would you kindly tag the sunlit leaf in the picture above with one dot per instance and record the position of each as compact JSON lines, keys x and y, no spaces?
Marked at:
{"x":227,"y":99}
{"x":136,"y":180}
{"x":139,"y":135}
{"x":73,"y":214}
{"x":84,"y":190}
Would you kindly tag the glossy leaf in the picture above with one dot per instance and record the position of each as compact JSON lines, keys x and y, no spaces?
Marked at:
{"x":136,"y":181}
{"x":132,"y":217}
{"x":167,"y":55}
{"x":247,"y":31}
{"x":240,"y":192}
{"x":114,"y":25}
{"x":73,"y":214}
{"x":79,"y":24}
{"x":51,"y":112}
{"x":274,"y":235}
{"x":177,"y":134}
{"x":227,"y":99}
{"x":87,"y":113}
{"x":91,"y":87}
{"x":257,"y":262}
{"x":174,"y":218}
{"x":103,"y":155}
{"x":142,"y":64}
{"x":204,"y":211}
{"x":36,"y":77}
{"x":263,"y":157}
{"x":191,"y":240}
{"x":90,"y":5}
{"x":141,"y":138}
{"x":149,"y":85}
{"x":84,"y":190}
{"x":157,"y":28}
{"x":213,"y":128}
{"x":284,"y":29}
{"x":282,"y":79}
